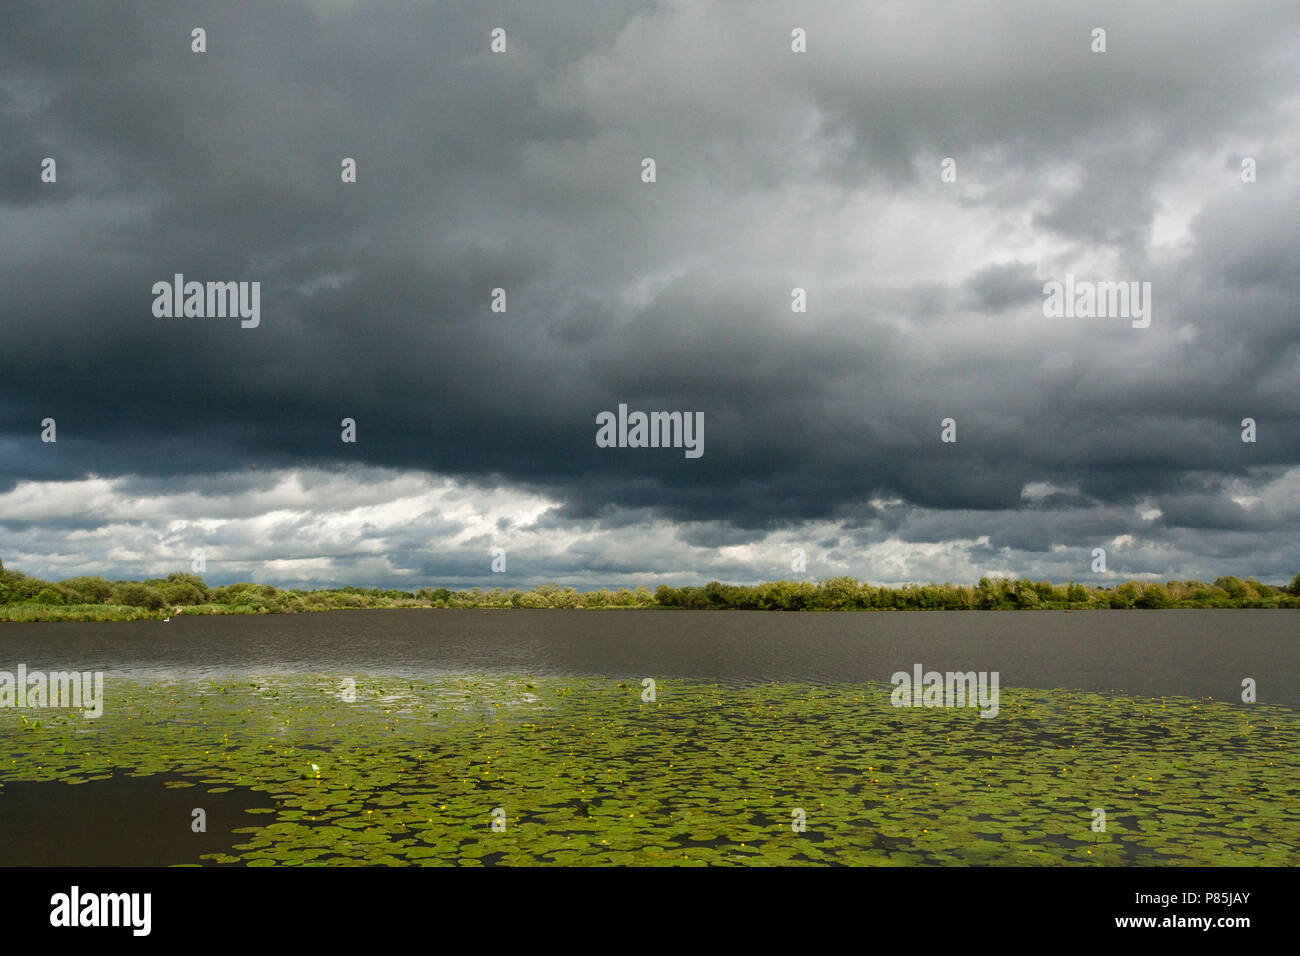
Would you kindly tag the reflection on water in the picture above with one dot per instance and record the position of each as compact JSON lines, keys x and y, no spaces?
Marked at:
{"x":1189,"y":653}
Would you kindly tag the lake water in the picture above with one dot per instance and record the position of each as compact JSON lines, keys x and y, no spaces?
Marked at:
{"x":540,"y":716}
{"x":1189,"y":653}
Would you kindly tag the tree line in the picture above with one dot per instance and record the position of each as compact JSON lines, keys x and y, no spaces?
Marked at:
{"x":990,"y":594}
{"x":95,"y":598}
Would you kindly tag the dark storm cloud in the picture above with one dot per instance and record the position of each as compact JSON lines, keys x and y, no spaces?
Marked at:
{"x":1003,"y":286}
{"x":521,"y":171}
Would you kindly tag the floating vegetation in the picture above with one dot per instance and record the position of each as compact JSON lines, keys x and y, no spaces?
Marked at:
{"x":585,"y":772}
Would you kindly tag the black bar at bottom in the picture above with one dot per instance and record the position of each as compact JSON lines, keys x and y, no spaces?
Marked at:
{"x":333,"y":906}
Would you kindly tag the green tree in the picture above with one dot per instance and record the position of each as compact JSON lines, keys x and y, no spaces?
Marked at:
{"x":135,"y":594}
{"x":1123,"y":596}
{"x":94,"y":590}
{"x":193,"y":580}
{"x":1154,"y":596}
{"x":1026,"y":594}
{"x":1235,"y":586}
{"x":178,"y":593}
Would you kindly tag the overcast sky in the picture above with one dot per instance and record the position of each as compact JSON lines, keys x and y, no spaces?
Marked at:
{"x":775,"y":170}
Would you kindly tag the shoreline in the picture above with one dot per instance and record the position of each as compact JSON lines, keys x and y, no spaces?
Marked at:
{"x":106,"y":614}
{"x":28,"y":599}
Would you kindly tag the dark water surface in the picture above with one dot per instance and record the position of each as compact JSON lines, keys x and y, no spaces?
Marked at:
{"x":122,"y":821}
{"x":1192,"y":653}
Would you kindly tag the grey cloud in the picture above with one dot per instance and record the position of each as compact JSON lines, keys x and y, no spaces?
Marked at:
{"x":521,"y":171}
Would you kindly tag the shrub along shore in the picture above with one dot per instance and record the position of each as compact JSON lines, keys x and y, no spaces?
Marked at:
{"x":24,"y":598}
